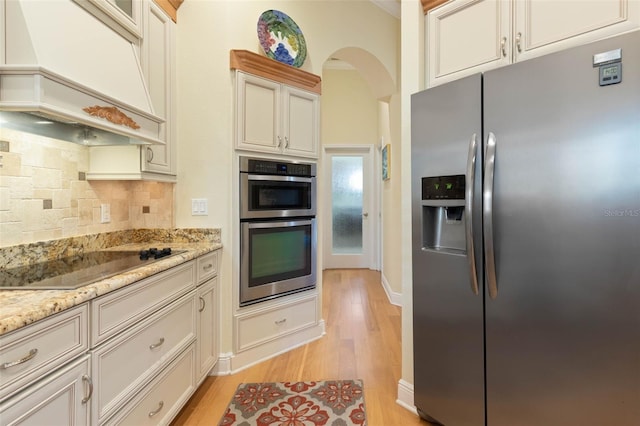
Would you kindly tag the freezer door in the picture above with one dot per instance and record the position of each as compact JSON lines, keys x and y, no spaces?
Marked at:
{"x":563,"y":330}
{"x":448,"y":315}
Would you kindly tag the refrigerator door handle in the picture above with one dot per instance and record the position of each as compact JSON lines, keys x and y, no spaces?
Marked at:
{"x":487,"y":215}
{"x":468,"y":211}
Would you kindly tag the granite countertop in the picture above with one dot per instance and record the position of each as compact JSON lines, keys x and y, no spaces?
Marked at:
{"x":19,"y":308}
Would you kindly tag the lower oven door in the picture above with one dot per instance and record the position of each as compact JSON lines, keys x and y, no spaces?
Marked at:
{"x":276,"y":258}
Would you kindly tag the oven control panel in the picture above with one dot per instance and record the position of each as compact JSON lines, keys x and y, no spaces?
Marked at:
{"x":268,"y":167}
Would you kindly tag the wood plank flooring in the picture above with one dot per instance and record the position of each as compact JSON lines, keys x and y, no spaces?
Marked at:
{"x":363,"y":340}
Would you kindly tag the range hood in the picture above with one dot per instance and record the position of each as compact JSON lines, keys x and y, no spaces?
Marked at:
{"x":68,"y":76}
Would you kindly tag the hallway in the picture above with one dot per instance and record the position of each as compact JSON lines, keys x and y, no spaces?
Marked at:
{"x":363,"y":340}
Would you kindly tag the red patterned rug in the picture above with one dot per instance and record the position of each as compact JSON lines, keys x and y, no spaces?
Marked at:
{"x":331,"y":403}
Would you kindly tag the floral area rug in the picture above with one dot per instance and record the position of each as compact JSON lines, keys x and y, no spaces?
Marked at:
{"x":331,"y":403}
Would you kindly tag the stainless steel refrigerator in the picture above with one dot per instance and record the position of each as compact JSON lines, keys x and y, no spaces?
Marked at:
{"x":526,"y":242}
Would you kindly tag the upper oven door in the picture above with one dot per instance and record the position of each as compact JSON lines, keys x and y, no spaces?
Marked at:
{"x":270,"y":196}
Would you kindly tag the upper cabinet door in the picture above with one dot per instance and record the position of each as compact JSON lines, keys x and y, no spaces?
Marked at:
{"x":301,"y":116}
{"x":158,"y":65}
{"x":546,"y":26}
{"x":258,"y":114}
{"x":276,"y":118}
{"x":467,"y":36}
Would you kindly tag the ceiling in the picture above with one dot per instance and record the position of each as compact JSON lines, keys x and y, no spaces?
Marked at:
{"x":392,"y":7}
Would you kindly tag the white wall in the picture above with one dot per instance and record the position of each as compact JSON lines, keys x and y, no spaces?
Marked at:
{"x":412,"y":81}
{"x":207,"y":30}
{"x":349,"y":109}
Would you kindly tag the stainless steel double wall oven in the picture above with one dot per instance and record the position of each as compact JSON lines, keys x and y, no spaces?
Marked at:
{"x":277,"y":228}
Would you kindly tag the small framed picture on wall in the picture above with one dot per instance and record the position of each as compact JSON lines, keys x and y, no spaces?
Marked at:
{"x":386,"y":162}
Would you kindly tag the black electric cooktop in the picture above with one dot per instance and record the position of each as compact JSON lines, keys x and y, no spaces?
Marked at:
{"x":78,"y":271}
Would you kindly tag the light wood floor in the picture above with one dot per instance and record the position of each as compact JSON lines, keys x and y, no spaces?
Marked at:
{"x":362,"y":341}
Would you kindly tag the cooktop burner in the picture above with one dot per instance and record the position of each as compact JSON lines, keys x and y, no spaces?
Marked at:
{"x":78,"y":271}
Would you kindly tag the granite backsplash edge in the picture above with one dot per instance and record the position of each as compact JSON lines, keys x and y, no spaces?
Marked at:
{"x":25,"y":254}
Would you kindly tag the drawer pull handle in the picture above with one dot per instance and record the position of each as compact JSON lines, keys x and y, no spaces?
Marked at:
{"x":282,"y":321}
{"x":207,"y":267}
{"x":87,"y":379}
{"x":202,"y":304}
{"x":32,"y":353}
{"x":155,"y":345}
{"x":157,"y":410}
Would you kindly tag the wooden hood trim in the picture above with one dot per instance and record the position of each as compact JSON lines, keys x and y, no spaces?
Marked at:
{"x":262,"y":66}
{"x":427,"y":5}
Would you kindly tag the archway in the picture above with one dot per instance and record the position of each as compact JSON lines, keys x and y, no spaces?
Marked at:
{"x":357,"y":89}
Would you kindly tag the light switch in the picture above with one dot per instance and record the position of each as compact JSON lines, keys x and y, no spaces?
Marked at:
{"x":199,"y":207}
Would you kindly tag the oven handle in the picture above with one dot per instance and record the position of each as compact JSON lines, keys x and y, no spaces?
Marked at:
{"x":280,"y":178}
{"x":279,"y":223}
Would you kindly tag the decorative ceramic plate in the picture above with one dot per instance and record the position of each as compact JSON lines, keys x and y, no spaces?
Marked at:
{"x":281,"y":38}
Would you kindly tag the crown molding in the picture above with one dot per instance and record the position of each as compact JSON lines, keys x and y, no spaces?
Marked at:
{"x":427,"y":5}
{"x":262,"y":66}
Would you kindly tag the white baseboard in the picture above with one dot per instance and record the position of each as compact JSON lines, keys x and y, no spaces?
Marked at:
{"x":394,"y":298}
{"x":405,"y":396}
{"x":223,"y":366}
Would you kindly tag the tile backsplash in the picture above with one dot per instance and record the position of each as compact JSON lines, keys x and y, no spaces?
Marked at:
{"x":44,"y":194}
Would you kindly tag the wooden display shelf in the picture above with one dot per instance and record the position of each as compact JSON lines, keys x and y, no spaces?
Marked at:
{"x":262,"y":66}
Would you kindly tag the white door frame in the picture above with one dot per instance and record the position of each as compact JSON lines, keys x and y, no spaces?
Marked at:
{"x":373,"y":220}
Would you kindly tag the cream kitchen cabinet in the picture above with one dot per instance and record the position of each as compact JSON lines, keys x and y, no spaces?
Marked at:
{"x":158,"y":51}
{"x":208,"y":317}
{"x":162,"y":400}
{"x":266,"y":329}
{"x":44,"y":372}
{"x":469,"y":36}
{"x":136,"y":332}
{"x":123,"y":367}
{"x":62,"y":398}
{"x":148,"y":162}
{"x":276,"y":118}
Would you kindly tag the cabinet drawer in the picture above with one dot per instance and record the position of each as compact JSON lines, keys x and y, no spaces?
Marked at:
{"x":122,"y":366}
{"x":42,"y":347}
{"x":119,"y":310}
{"x":56,"y":400}
{"x":161,"y":401}
{"x":262,"y":326}
{"x":207,"y":266}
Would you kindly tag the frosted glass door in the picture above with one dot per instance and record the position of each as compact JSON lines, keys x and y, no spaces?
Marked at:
{"x":346,"y":201}
{"x":347,"y":234}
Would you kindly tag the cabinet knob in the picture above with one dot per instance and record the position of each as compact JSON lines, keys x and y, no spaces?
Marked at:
{"x":282,"y":321}
{"x":202,"y":305}
{"x":149,"y":154}
{"x":286,"y":142}
{"x":503,"y":46}
{"x":279,"y":141}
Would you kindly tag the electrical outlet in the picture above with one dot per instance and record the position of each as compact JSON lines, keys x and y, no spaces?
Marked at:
{"x":105,"y":213}
{"x":199,"y":207}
